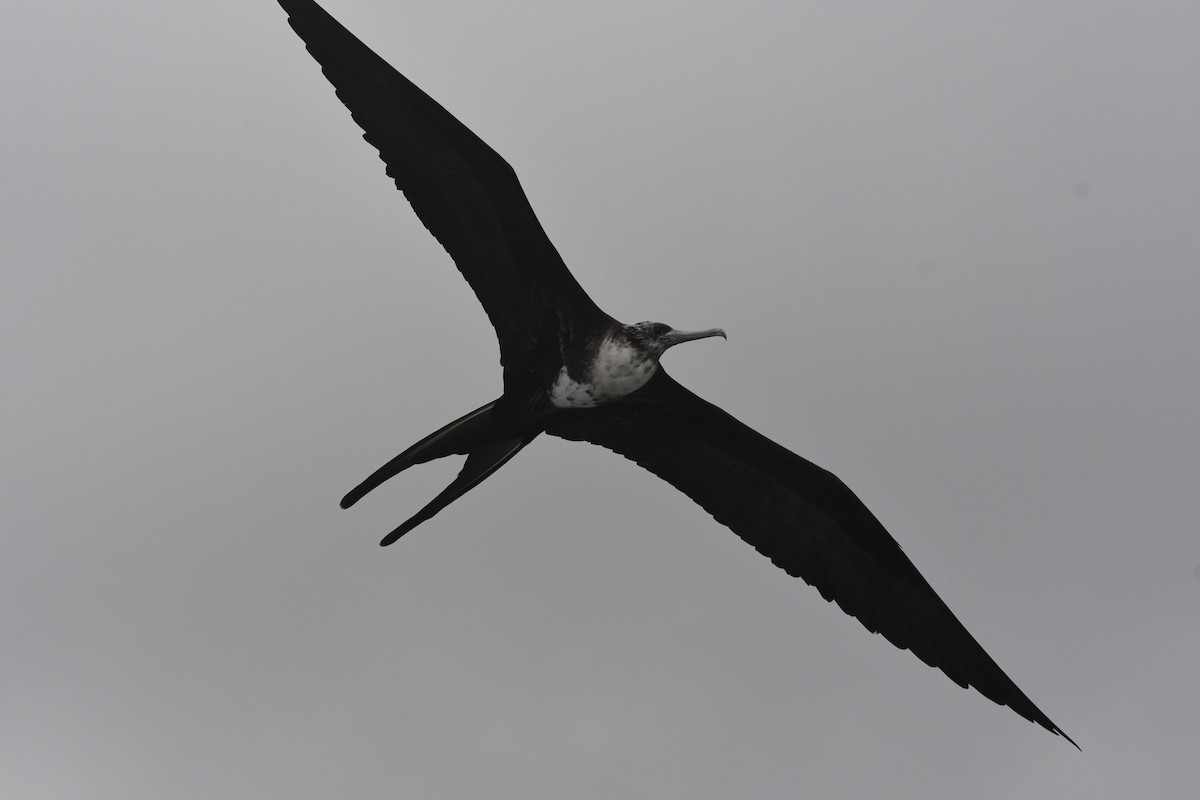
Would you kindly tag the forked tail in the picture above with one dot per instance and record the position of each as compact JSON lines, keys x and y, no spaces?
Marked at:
{"x":457,"y":438}
{"x":482,"y":462}
{"x":466,"y":435}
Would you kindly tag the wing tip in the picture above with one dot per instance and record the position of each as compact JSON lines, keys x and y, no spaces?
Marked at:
{"x":1057,"y":731}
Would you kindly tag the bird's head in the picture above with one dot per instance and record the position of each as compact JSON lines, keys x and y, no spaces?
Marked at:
{"x":653,"y":338}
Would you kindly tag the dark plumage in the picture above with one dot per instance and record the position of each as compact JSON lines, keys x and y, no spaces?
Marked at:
{"x":572,"y":371}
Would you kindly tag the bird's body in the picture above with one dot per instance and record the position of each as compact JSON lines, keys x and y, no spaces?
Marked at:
{"x":573,"y":371}
{"x":615,"y":363}
{"x":614,"y":370}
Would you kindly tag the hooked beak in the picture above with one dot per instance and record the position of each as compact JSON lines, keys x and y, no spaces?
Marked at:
{"x":675,"y":337}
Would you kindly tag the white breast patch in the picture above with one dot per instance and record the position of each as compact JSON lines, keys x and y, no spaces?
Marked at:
{"x":619,"y":370}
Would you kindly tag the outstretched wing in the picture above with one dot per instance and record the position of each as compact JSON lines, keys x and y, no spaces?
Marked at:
{"x":801,"y":517}
{"x":463,"y":191}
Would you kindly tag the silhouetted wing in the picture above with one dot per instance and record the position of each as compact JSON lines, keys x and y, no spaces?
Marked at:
{"x":463,"y":191}
{"x":801,"y":517}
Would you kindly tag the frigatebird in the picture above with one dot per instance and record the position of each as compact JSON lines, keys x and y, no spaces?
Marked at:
{"x":572,"y":371}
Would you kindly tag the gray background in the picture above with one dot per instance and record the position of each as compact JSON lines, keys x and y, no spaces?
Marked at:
{"x":955,"y":248}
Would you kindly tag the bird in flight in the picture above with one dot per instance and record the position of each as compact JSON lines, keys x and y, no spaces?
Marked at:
{"x":571,"y":370}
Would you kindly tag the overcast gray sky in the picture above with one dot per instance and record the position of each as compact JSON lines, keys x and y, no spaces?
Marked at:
{"x":955,"y":248}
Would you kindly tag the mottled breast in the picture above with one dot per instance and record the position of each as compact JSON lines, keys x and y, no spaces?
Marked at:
{"x":617,"y":370}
